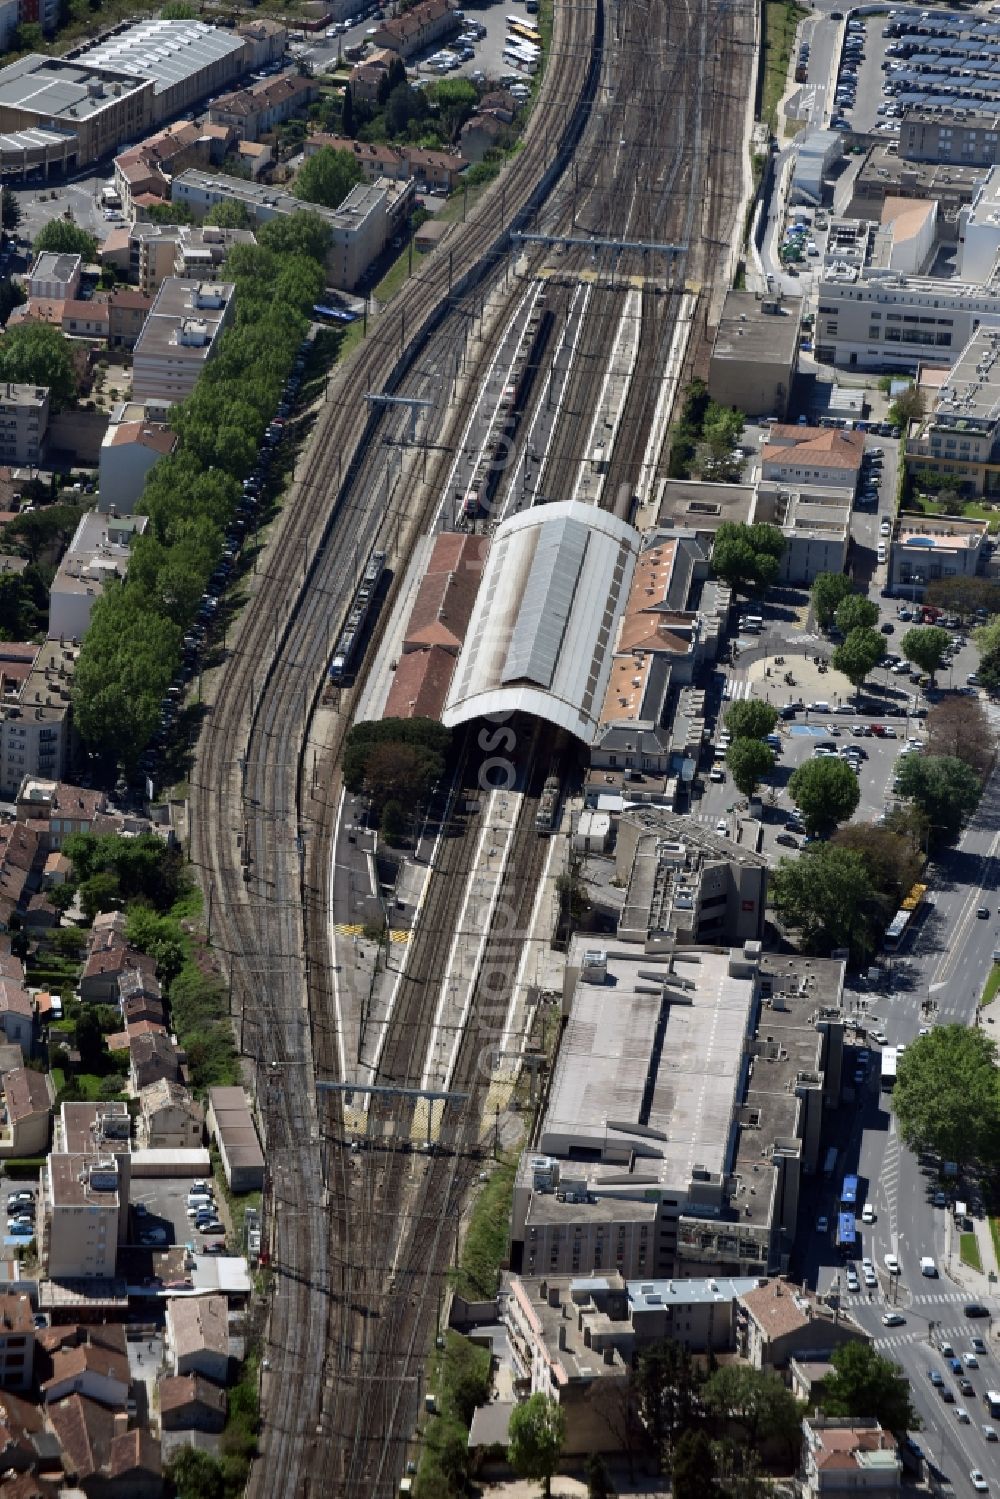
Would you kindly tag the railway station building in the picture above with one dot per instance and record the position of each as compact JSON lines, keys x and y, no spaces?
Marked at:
{"x":684,"y":1111}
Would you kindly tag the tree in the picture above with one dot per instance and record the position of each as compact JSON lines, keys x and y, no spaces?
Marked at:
{"x":758,"y":1402}
{"x":945,"y":1098}
{"x":347,"y":112}
{"x":926,"y":646}
{"x":63,"y":237}
{"x":178,"y":10}
{"x":866,"y":1384}
{"x":12,"y":294}
{"x":828,"y":592}
{"x":89,"y":1040}
{"x":599,"y":1484}
{"x":963,"y":596}
{"x":855,"y":612}
{"x":751,"y":719}
{"x":944,"y":788}
{"x":987,"y":639}
{"x":825,"y":792}
{"x":229,"y":214}
{"x":38,"y":354}
{"x":169,"y":213}
{"x":693,"y":1470}
{"x":906,"y":408}
{"x":857,"y":657}
{"x":747,"y":556}
{"x":196,"y":1475}
{"x":327,"y":177}
{"x":536,"y":1432}
{"x":749,"y":761}
{"x":98,"y":893}
{"x":959,"y":727}
{"x":665,"y":1388}
{"x":890,"y":856}
{"x":10,"y":213}
{"x":827,"y":895}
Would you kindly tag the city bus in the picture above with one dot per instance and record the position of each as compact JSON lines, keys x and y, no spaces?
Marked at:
{"x":849,"y":1192}
{"x":896,"y":930}
{"x":515,"y":58}
{"x":524,"y":30}
{"x":847,"y":1233}
{"x":889,"y":1059}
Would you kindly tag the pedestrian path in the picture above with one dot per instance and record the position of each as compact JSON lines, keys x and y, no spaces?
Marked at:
{"x":957,"y":1335}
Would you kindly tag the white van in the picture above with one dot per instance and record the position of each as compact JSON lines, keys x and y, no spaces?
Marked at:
{"x":752,"y":622}
{"x":928,"y":1267}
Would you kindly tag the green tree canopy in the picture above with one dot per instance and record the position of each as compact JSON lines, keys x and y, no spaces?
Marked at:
{"x":946,"y":1095}
{"x":749,"y":761}
{"x":827,"y":895}
{"x":751,"y":719}
{"x":825,"y":790}
{"x":38,"y":354}
{"x":906,"y":408}
{"x":666,"y":1390}
{"x":747,"y":556}
{"x":197,"y":1475}
{"x":855,"y":612}
{"x":945,"y":789}
{"x":891,"y":857}
{"x":828,"y":592}
{"x":229,"y":214}
{"x":925,"y":646}
{"x":693,"y":1472}
{"x":864,"y":1383}
{"x":327,"y":177}
{"x":63,"y":237}
{"x":297,"y":234}
{"x":858,"y":655}
{"x":536,"y":1433}
{"x":758,"y":1402}
{"x":89,"y":1039}
{"x":987,"y":639}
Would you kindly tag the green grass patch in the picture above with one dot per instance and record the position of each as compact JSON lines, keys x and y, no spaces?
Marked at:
{"x":992,"y":985}
{"x":485,"y":1247}
{"x":995,"y":1233}
{"x":397,"y":276}
{"x":24,"y":1166}
{"x":781,"y":18}
{"x":969,"y":1250}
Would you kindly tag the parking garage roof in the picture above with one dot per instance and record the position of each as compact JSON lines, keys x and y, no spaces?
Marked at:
{"x":544,"y":623}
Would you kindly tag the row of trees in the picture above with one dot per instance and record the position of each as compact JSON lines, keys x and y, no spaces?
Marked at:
{"x":132,"y":647}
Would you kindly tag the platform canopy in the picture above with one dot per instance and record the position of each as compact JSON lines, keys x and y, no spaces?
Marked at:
{"x":544,"y":624}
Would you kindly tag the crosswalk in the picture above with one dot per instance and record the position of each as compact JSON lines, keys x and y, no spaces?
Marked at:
{"x":352,"y":929}
{"x":958,"y":1336}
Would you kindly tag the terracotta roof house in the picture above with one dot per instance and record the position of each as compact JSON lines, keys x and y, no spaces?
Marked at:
{"x":26,"y":1114}
{"x":98,"y":1373}
{"x":109,"y":958}
{"x":417,"y":28}
{"x":188,"y":1402}
{"x":169,"y":1118}
{"x":779,"y":1320}
{"x":436,"y":628}
{"x":198,"y":1336}
{"x":17,"y":1014}
{"x":848,"y":1455}
{"x":151,"y":1057}
{"x":812,"y":455}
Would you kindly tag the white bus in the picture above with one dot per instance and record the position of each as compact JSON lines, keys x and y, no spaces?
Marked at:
{"x":516,"y":58}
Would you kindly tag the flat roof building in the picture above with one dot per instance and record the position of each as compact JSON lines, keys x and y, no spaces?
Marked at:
{"x":57,"y":111}
{"x":36,"y":717}
{"x":755,"y":353}
{"x":181,"y":334}
{"x":24,"y":419}
{"x":230,"y":1124}
{"x":98,"y":553}
{"x":923,"y":548}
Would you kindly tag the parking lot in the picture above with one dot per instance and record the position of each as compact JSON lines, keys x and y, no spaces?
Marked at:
{"x":159,"y":1207}
{"x":488,"y":59}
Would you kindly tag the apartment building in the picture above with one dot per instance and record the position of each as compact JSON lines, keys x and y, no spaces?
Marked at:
{"x":923,"y":548}
{"x":251,"y":112}
{"x":26,"y":1100}
{"x":848,"y":1455}
{"x":960,"y":435}
{"x":36,"y":732}
{"x":85,"y":1197}
{"x":146,"y":169}
{"x":969,"y":139}
{"x":815,"y":521}
{"x":181,"y":334}
{"x":17,"y":1342}
{"x":885,"y":173}
{"x":363,"y":225}
{"x":24,"y":418}
{"x":98,"y":553}
{"x":129,"y":449}
{"x":417,"y":29}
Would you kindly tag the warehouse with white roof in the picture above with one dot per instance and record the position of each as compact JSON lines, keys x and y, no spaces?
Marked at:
{"x":543,"y":629}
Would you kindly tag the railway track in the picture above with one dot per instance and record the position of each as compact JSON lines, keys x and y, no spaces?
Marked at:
{"x":251,"y":828}
{"x":345,"y":1335}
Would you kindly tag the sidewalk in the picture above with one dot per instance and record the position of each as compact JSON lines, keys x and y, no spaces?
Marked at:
{"x":979,"y":1283}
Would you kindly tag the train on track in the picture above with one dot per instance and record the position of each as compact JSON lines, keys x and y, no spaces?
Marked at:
{"x":350,"y":637}
{"x":548,"y":805}
{"x":510,"y":410}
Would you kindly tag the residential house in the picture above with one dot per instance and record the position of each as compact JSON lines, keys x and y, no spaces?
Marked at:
{"x":55,"y":809}
{"x":17,"y":1015}
{"x":169,"y":1118}
{"x":104,"y":1460}
{"x":374,"y":160}
{"x":363,"y":225}
{"x":24,"y":418}
{"x":417,"y":29}
{"x":848,"y":1455}
{"x":20,"y":869}
{"x":255,"y":156}
{"x":779,"y":1321}
{"x":366,"y":81}
{"x":98,"y":1373}
{"x":86,"y":319}
{"x":147,"y":169}
{"x":140,"y":1007}
{"x":17,"y":1344}
{"x":152,"y":1056}
{"x":198,"y":1336}
{"x":26,"y":1099}
{"x":434,"y":171}
{"x":813,"y":455}
{"x":189,"y":1402}
{"x":128,"y":309}
{"x":129,"y":450}
{"x":923,"y":548}
{"x":252,"y":112}
{"x":481,"y":134}
{"x":109,"y":957}
{"x":264,"y":42}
